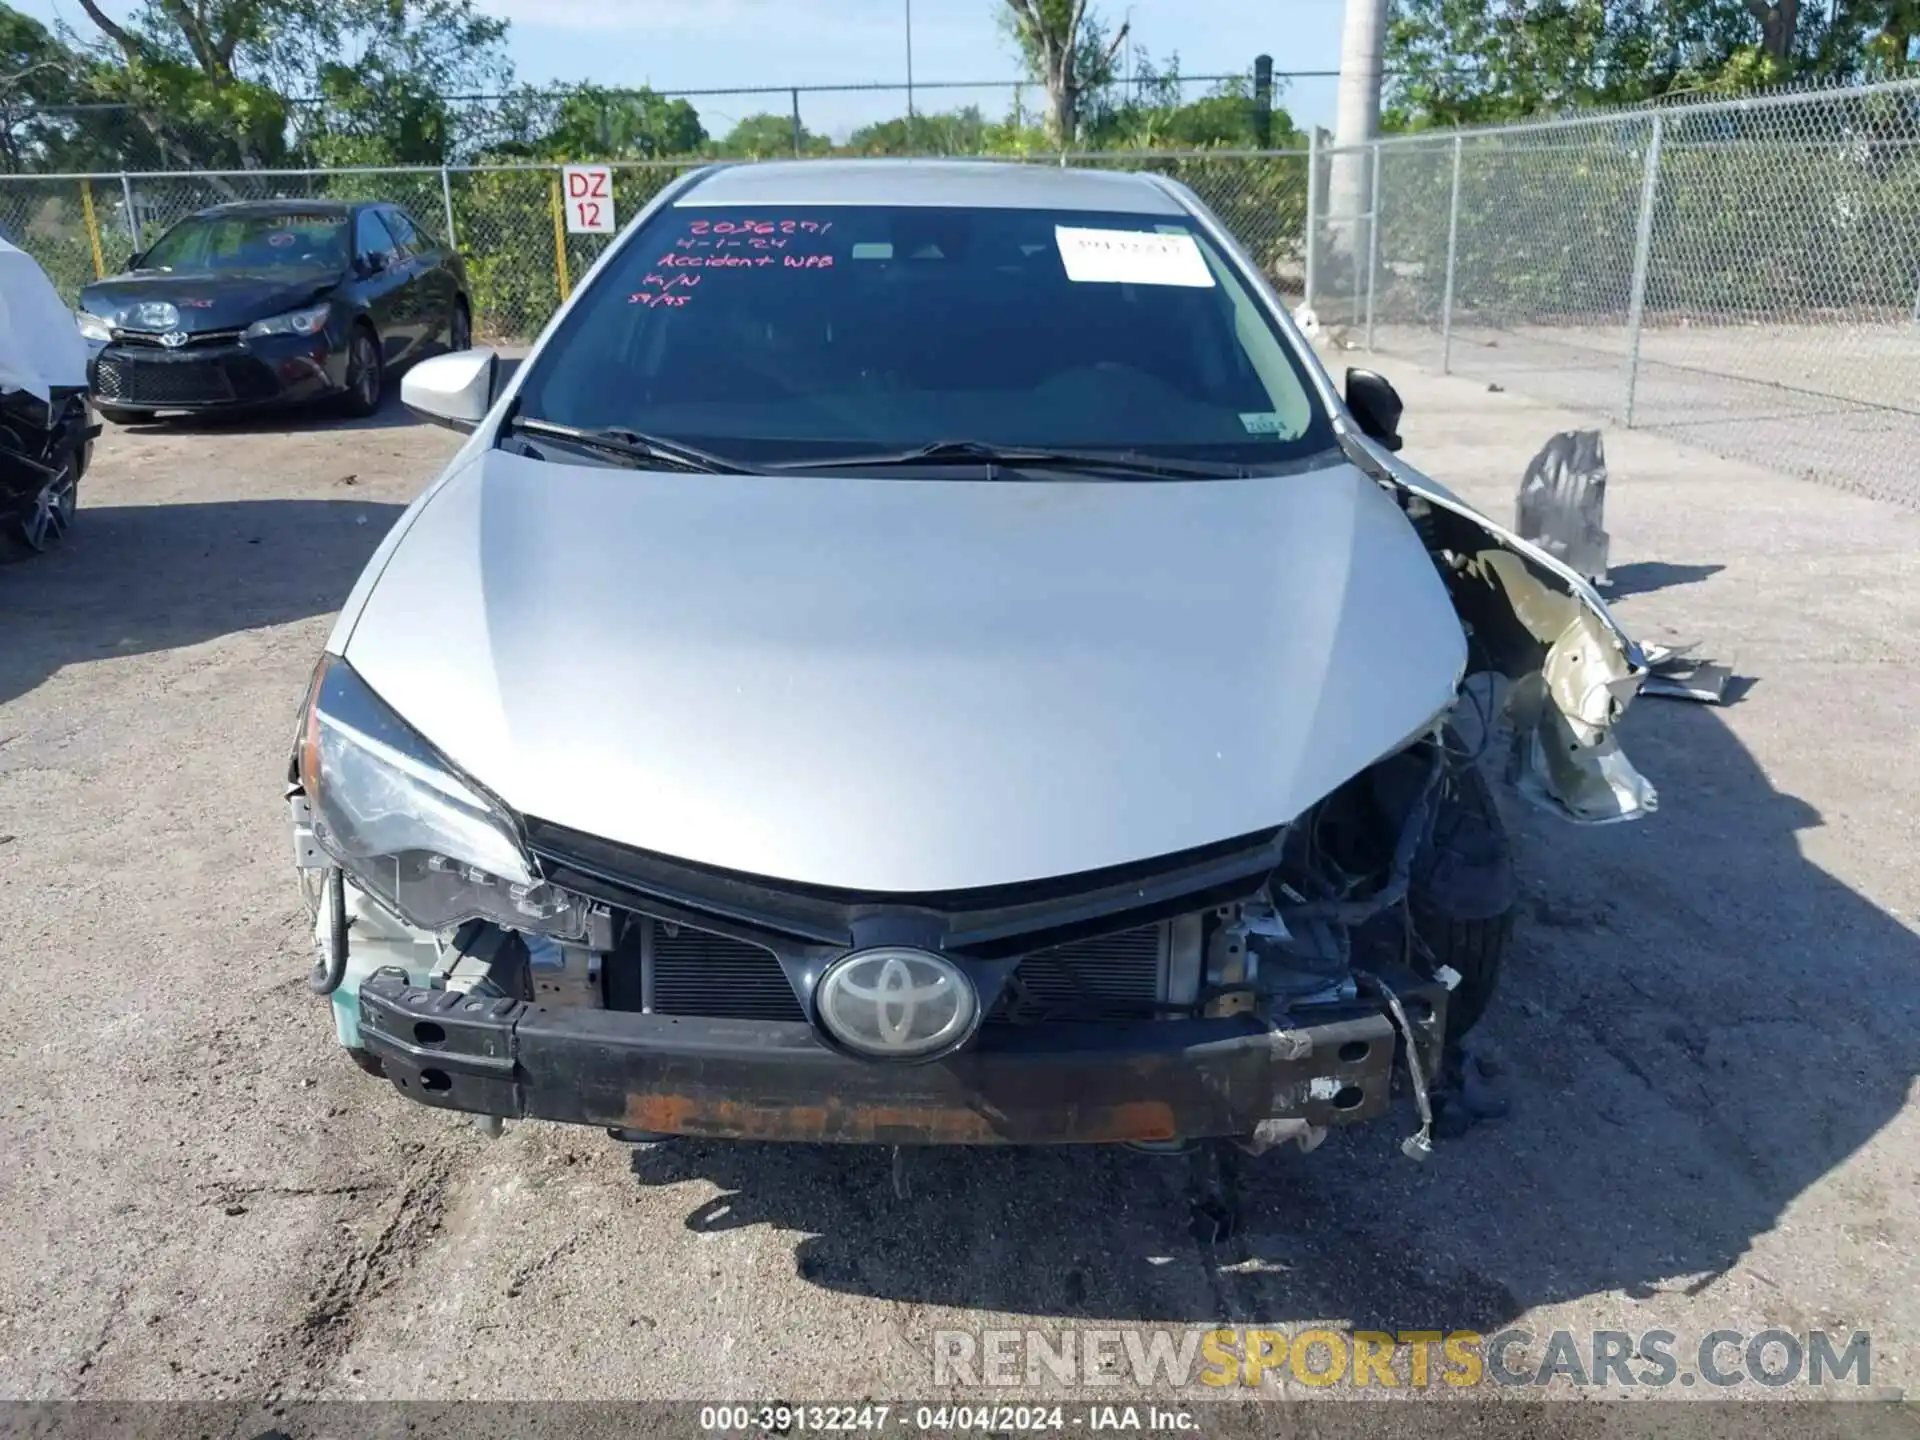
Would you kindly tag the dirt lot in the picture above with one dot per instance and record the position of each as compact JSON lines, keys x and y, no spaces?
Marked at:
{"x":1710,"y":1018}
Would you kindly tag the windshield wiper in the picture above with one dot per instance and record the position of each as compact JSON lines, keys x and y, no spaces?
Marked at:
{"x":632,"y":445}
{"x":974,"y":452}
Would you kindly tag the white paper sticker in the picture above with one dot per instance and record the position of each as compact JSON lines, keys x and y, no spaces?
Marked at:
{"x":1131,"y":257}
{"x":1265,"y":422}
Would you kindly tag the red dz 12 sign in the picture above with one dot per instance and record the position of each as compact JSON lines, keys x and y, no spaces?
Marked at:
{"x":589,"y":197}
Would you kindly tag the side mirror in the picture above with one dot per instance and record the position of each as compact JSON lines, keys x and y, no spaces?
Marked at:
{"x":1376,"y":407}
{"x":453,"y":390}
{"x":372,"y":263}
{"x":133,"y":260}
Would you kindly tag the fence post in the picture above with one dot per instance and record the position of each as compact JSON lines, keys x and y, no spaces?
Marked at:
{"x":1642,"y":253}
{"x":93,"y":228}
{"x":1453,"y":249}
{"x":1313,"y":208}
{"x":1373,"y":237}
{"x":796,"y":120}
{"x":560,"y":242}
{"x":133,"y":221}
{"x":446,"y":199}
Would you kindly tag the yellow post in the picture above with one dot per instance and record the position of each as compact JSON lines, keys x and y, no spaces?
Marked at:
{"x":560,"y":242}
{"x":93,"y":229}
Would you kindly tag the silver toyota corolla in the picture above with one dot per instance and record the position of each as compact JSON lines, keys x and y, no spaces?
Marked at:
{"x":923,"y":653}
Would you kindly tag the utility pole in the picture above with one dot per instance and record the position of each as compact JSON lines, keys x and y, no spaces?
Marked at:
{"x":1356,"y":121}
{"x":909,"y":72}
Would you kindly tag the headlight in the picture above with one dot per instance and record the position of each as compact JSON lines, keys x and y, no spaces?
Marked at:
{"x":294,"y":322}
{"x":396,"y":817}
{"x":93,"y":327}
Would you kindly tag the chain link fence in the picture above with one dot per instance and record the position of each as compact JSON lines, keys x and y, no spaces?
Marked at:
{"x":509,"y":224}
{"x":1744,"y":275}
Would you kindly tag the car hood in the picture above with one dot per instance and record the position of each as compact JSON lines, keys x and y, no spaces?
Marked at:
{"x":907,"y":685}
{"x":205,"y":300}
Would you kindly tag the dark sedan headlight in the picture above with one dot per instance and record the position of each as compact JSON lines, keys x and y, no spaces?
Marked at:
{"x":310,"y":321}
{"x":398,"y":818}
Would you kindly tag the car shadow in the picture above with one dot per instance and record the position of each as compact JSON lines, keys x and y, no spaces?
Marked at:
{"x":1697,"y":1024}
{"x":278,"y":419}
{"x":1642,"y":577}
{"x":138,"y":578}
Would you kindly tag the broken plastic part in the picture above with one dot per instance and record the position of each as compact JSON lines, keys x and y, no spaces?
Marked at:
{"x":1419,"y":1145}
{"x":1280,"y":1130}
{"x":1540,"y":623}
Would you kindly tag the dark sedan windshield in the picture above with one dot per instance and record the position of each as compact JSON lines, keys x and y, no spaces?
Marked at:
{"x":277,"y":240}
{"x":788,"y":333}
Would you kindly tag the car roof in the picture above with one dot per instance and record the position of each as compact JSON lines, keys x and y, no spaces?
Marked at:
{"x":979,"y":184}
{"x":319,"y":207}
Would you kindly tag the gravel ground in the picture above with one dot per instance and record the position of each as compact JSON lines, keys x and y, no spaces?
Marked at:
{"x":1709,"y":1020}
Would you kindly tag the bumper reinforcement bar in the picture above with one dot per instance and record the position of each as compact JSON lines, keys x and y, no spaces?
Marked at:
{"x":1037,"y":1084}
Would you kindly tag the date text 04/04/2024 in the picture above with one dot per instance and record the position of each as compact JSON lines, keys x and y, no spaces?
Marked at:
{"x":990,"y":1419}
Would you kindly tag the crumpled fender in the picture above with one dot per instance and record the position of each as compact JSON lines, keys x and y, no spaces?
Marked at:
{"x":1572,"y":669}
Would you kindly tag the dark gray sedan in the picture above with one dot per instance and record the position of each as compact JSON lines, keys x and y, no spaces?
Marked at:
{"x":270,"y":302}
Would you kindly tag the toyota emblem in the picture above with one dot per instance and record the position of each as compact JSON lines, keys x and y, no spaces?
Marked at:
{"x":174,"y":339}
{"x":896,"y":1003}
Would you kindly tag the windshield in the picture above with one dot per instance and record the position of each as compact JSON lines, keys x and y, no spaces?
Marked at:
{"x":292,"y":239}
{"x":789,"y":333}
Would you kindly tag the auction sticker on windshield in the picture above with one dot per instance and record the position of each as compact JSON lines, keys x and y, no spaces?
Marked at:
{"x":1131,"y":257}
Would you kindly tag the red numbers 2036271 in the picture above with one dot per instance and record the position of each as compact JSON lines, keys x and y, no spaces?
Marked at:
{"x":759,"y":227}
{"x":668,"y":286}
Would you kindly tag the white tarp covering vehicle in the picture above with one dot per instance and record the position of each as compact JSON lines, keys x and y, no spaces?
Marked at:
{"x":922,"y":653}
{"x":46,"y":428}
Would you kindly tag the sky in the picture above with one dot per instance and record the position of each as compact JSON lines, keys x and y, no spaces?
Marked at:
{"x":705,"y":44}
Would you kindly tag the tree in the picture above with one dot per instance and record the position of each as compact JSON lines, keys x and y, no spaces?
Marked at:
{"x":954,"y":132}
{"x":1155,"y":113}
{"x":382,"y":72}
{"x":176,"y":69}
{"x":628,"y":124}
{"x":1067,"y":51}
{"x":1468,"y":61}
{"x":208,"y":79}
{"x":768,"y":136}
{"x":35,"y":72}
{"x":1870,"y":37}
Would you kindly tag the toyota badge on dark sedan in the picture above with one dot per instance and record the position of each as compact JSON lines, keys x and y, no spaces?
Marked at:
{"x":272,"y":302}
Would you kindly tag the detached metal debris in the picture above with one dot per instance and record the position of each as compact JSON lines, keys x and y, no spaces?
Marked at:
{"x":1562,"y":509}
{"x":1678,"y":675}
{"x":1563,"y":499}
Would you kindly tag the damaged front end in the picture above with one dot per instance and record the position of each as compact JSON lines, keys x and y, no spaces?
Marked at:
{"x":1264,"y":989}
{"x":1569,"y":670}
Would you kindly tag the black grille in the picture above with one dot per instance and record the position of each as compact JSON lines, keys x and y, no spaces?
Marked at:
{"x":202,"y":380}
{"x":170,"y":383}
{"x":1122,"y":975}
{"x":695,"y":973}
{"x":1109,"y":975}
